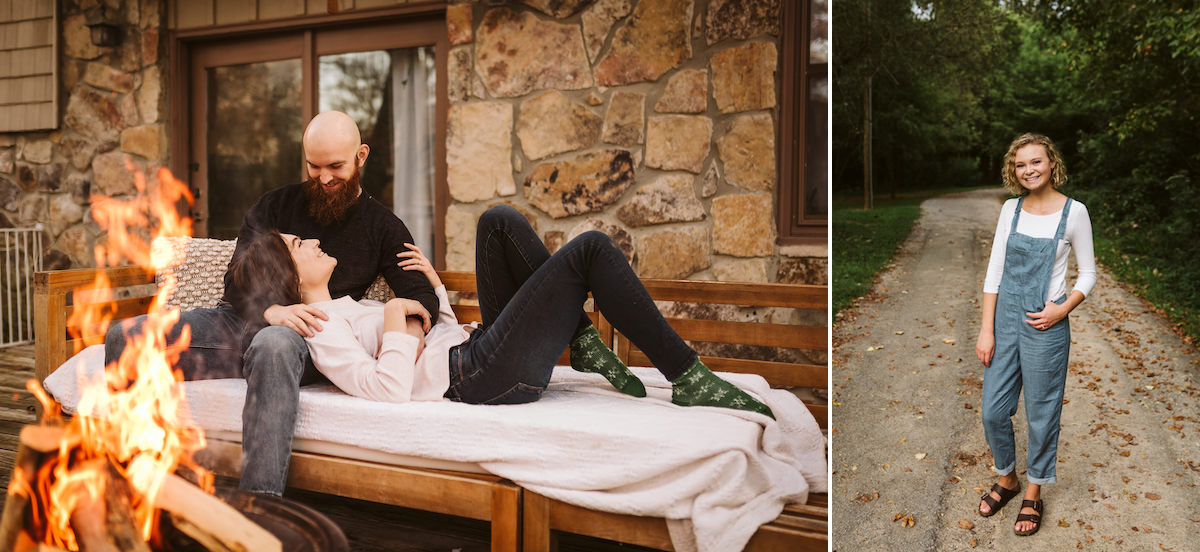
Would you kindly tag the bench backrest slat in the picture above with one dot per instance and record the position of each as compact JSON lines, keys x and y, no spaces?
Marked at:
{"x":54,"y":344}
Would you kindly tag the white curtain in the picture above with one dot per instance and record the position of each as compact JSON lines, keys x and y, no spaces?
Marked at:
{"x":413,"y":103}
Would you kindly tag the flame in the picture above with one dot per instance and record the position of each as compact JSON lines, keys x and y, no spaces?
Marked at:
{"x":139,"y":428}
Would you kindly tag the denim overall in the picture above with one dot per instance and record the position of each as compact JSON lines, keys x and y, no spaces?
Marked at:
{"x":1026,"y":356}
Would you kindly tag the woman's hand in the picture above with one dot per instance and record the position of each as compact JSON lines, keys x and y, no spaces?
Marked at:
{"x":1048,"y":317}
{"x":414,"y":259}
{"x":300,"y":317}
{"x":397,"y":310}
{"x":985,"y":347}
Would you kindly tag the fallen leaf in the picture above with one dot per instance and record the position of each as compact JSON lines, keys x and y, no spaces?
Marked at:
{"x":899,"y":332}
{"x":1153,"y":496}
{"x":948,"y":341}
{"x":1125,"y":479}
{"x":919,"y":456}
{"x":1063,"y":523}
{"x":1124,"y":453}
{"x":966,"y":524}
{"x":909,"y":521}
{"x":898,"y":516}
{"x":967,"y":406}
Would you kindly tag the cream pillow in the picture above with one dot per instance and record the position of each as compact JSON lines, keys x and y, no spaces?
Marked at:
{"x":199,"y":266}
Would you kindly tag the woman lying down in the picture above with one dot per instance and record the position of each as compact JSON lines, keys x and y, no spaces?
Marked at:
{"x":531,"y":304}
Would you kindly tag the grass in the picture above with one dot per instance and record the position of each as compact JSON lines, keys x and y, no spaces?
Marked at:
{"x":864,"y":242}
{"x":1148,"y":279}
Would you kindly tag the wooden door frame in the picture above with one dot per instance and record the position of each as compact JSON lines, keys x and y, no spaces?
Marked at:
{"x":424,"y":25}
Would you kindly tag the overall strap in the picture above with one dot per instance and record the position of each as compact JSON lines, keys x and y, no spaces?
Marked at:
{"x":1062,"y":222}
{"x":1016,"y":215}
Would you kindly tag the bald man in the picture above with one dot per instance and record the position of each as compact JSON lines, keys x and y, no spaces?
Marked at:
{"x":249,"y":336}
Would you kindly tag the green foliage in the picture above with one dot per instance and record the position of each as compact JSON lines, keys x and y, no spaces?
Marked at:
{"x":1141,"y":64}
{"x":1159,"y":286}
{"x":863,"y":244}
{"x":928,"y":97}
{"x":1115,"y":84}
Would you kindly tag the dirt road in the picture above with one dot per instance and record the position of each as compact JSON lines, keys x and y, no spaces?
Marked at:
{"x":909,"y":456}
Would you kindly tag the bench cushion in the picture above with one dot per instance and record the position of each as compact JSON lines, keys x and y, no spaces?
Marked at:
{"x":714,"y":474}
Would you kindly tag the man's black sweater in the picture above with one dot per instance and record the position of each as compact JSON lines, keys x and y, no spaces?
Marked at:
{"x":365,"y":243}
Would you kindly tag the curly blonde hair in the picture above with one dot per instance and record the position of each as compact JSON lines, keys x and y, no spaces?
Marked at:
{"x":1058,"y":174}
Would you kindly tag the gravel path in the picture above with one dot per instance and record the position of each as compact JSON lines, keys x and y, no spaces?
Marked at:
{"x":909,"y":456}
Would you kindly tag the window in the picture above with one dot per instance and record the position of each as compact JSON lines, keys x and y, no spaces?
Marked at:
{"x":804,"y":123}
{"x":248,"y":97}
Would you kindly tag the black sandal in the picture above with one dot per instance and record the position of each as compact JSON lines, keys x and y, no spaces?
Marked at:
{"x":995,"y":505}
{"x":1035,"y":518}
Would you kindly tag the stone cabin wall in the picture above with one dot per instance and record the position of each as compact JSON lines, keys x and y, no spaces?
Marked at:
{"x":651,"y":120}
{"x":113,"y":109}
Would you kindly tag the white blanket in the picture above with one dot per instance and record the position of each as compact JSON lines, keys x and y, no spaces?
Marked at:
{"x":715,"y":474}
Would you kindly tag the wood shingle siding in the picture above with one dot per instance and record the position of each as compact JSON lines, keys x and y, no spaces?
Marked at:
{"x":28,"y":68}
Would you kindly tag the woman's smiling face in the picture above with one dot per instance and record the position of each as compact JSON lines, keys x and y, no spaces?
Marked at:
{"x":312,"y":264}
{"x":1033,"y":167}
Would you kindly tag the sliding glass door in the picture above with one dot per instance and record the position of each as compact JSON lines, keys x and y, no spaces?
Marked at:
{"x":249,"y":99}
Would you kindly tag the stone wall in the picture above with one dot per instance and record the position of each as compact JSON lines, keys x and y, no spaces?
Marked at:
{"x":651,"y":120}
{"x":114,"y":113}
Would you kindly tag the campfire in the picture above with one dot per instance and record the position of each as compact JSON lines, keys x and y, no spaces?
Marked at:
{"x":107,"y":477}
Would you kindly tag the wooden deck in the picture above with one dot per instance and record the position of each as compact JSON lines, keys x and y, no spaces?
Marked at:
{"x":368,"y":526}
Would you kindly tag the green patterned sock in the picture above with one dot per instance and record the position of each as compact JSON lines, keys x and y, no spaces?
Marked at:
{"x":698,"y":386}
{"x":590,"y":354}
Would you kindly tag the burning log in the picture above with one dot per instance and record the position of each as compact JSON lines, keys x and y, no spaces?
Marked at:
{"x":212,"y":522}
{"x":106,"y":523}
{"x":36,"y":443}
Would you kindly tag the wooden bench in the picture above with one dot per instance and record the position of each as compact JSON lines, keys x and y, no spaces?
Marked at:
{"x":520,"y":519}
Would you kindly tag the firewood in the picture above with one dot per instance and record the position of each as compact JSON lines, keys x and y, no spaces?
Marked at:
{"x":13,"y":520}
{"x":34,"y":444}
{"x":46,"y":438}
{"x":209,"y":542}
{"x":107,"y":523}
{"x":206,"y":514}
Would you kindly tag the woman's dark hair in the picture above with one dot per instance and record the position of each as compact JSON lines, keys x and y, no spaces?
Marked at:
{"x":264,"y":273}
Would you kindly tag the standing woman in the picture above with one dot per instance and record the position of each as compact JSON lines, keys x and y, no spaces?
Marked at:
{"x":1026,"y":337}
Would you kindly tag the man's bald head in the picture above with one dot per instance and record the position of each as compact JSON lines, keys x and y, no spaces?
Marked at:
{"x":332,"y":128}
{"x":333,"y":154}
{"x":333,"y":146}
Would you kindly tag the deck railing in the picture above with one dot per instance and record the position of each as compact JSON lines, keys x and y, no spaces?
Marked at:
{"x":20,"y":258}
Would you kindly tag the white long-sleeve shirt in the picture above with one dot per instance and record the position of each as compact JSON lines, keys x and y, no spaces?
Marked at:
{"x":1077,"y":236}
{"x":354,"y":352}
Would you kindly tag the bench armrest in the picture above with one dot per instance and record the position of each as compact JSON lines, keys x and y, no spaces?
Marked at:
{"x":51,"y":289}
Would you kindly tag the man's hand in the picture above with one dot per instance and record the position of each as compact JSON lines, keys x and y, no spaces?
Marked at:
{"x":300,"y":317}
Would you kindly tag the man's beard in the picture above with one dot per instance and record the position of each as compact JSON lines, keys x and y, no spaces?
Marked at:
{"x":327,"y":207}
